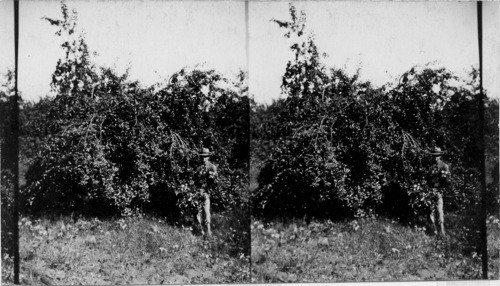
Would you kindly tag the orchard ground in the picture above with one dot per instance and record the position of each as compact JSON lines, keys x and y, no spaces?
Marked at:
{"x":371,"y":249}
{"x":135,"y":250}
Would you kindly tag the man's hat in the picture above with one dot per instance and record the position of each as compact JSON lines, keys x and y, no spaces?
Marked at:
{"x":205,"y":152}
{"x":437,"y":151}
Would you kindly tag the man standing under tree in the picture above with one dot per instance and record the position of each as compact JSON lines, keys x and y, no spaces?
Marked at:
{"x":440,"y":173}
{"x":206,"y":177}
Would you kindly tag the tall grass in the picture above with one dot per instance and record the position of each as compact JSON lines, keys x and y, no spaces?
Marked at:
{"x":363,"y":250}
{"x":137,"y":250}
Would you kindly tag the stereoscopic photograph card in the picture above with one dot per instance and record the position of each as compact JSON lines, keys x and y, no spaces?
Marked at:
{"x":367,"y":141}
{"x":134,"y":143}
{"x":234,"y":142}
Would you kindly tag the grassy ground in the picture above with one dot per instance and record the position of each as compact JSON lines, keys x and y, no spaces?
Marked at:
{"x":364,"y":250}
{"x":128,"y":251}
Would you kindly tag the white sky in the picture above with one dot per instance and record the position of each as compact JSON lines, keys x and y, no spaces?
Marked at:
{"x":158,"y":38}
{"x":384,"y":39}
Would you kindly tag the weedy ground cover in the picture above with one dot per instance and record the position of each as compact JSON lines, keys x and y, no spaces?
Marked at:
{"x":128,"y":251}
{"x":374,"y":249}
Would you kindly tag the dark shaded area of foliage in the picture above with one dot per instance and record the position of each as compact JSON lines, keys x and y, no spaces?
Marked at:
{"x":339,"y":147}
{"x":7,"y":160}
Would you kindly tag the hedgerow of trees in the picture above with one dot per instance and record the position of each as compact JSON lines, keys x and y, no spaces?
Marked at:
{"x":337,"y":146}
{"x":105,"y":144}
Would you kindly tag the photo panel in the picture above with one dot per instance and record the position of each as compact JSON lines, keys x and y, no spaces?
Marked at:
{"x":134,"y":142}
{"x":366,"y":146}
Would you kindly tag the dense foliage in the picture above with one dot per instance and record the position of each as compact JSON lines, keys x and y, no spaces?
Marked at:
{"x":337,"y":146}
{"x":7,"y":159}
{"x":105,"y":144}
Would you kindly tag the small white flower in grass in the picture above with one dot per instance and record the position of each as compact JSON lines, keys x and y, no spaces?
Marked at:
{"x":323,"y":241}
{"x":354,"y":225}
{"x":92,"y":239}
{"x":123,"y":225}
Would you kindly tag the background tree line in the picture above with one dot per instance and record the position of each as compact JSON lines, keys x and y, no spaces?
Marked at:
{"x":337,"y":147}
